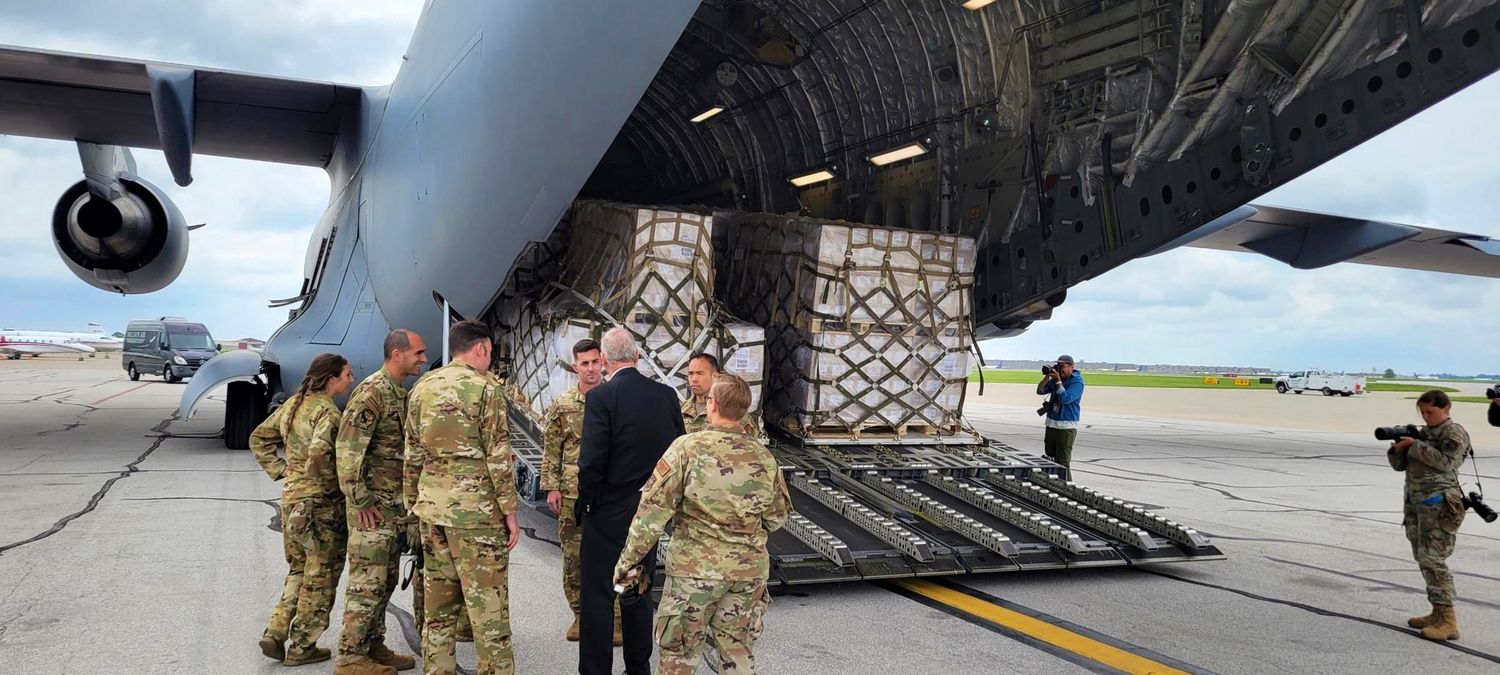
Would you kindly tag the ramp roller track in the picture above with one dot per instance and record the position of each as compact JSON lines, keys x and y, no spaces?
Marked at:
{"x":892,"y":510}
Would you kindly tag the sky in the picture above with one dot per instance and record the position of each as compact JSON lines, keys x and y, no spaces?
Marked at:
{"x":1189,"y":306}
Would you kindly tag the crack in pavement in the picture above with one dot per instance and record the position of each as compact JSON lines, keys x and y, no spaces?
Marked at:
{"x":275,"y":504}
{"x":1317,"y":610}
{"x":1380,"y":582}
{"x":1209,"y":485}
{"x":93,"y":503}
{"x":1348,"y":549}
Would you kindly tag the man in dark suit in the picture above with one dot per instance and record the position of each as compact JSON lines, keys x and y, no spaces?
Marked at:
{"x":628,"y":422}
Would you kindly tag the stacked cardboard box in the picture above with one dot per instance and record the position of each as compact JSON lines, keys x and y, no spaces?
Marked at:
{"x":649,"y":270}
{"x":868,"y":328}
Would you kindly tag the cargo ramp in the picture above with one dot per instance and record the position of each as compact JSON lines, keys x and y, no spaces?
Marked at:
{"x":934,"y":506}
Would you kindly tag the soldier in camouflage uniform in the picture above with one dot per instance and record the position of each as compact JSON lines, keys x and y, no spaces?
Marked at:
{"x":724,"y":494}
{"x":460,"y":481}
{"x":312,"y":509}
{"x":703,"y":369}
{"x":1433,"y":506}
{"x":563,"y":438}
{"x":370,"y":448}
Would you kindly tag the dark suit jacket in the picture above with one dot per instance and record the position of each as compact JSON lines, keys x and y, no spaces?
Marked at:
{"x":628,"y":422}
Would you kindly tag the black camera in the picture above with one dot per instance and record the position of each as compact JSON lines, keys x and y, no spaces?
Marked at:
{"x":1492,"y":393}
{"x":1397,"y":432}
{"x":1048,"y":370}
{"x":1476,"y":501}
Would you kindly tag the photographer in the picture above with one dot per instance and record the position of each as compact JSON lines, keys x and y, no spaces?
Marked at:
{"x":1433,"y":507}
{"x":1064,"y":385}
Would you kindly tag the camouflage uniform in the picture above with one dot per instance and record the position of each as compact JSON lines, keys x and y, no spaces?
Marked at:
{"x":460,"y":480}
{"x":695,"y":417}
{"x":370,"y":449}
{"x":312,"y":516}
{"x":1433,"y":506}
{"x":563,"y":438}
{"x":724,"y":494}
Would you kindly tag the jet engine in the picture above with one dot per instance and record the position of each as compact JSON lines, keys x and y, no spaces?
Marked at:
{"x":132,"y":240}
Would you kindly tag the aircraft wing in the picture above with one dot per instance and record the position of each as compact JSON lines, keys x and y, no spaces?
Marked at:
{"x":179,"y":109}
{"x":1309,"y":240}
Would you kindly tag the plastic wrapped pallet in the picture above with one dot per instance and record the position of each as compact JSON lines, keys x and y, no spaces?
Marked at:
{"x":868,"y":328}
{"x":649,"y":270}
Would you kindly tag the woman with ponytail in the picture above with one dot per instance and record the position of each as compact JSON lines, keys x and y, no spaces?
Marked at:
{"x":313,"y":528}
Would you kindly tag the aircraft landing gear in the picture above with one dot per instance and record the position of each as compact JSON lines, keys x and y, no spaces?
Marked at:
{"x":244,"y":409}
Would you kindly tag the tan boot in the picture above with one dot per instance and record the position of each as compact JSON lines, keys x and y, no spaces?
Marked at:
{"x":363,"y":667}
{"x":314,"y":655}
{"x":383,"y":655}
{"x":273,"y":648}
{"x":573,"y":631}
{"x":1424,"y":621}
{"x":619,"y":637}
{"x":1447,"y":626}
{"x":464,"y":633}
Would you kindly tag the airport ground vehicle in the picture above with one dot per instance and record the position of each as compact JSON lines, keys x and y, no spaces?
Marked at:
{"x":1328,"y":384}
{"x":170,"y":346}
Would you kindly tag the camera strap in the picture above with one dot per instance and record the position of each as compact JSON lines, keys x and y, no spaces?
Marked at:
{"x":1474,"y":461}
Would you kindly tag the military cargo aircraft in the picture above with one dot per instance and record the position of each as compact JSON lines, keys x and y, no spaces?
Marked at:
{"x":1066,"y":138}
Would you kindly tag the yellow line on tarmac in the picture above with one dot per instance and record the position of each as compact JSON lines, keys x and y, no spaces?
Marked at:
{"x":1057,"y":636}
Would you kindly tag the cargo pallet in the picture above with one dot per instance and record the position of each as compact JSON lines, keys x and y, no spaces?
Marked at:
{"x":867,"y":509}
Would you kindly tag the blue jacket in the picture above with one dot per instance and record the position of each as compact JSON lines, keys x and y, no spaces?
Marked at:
{"x":1070,"y":395}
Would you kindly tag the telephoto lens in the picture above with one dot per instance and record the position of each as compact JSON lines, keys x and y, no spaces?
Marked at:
{"x":1397,"y":432}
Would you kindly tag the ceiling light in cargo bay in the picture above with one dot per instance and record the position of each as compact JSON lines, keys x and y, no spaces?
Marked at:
{"x":976,"y":4}
{"x":908,"y":151}
{"x":806,"y":179}
{"x":703,"y":116}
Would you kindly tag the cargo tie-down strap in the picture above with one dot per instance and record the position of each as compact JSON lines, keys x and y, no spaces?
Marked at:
{"x":867,"y":327}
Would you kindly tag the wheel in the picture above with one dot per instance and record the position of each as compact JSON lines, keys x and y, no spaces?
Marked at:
{"x":166,"y":374}
{"x":1327,"y":391}
{"x":135,"y":375}
{"x":244,"y":409}
{"x":1281,"y":387}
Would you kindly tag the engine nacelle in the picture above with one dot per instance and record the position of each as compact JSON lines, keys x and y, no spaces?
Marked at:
{"x":134,"y":243}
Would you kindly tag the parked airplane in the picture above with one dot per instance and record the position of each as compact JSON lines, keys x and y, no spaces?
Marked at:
{"x":35,"y":343}
{"x":95,"y":337}
{"x":1066,"y":143}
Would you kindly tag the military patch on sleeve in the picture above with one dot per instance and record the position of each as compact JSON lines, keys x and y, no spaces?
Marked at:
{"x":365,"y":418}
{"x":661,"y":470}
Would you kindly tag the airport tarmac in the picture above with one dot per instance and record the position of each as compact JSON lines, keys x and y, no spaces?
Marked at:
{"x":133,"y":542}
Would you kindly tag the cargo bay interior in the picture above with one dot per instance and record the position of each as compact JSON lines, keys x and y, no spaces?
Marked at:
{"x":1066,"y":137}
{"x":1058,"y":140}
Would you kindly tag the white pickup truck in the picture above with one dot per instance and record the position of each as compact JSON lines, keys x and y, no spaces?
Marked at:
{"x":1317,"y":380}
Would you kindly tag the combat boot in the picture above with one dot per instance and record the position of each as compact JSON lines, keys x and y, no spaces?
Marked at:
{"x":383,"y":655}
{"x":362,"y":667}
{"x":573,"y":631}
{"x":1424,"y":621}
{"x":464,"y":633}
{"x":619,"y":637}
{"x":1447,"y":626}
{"x":273,"y":648}
{"x":314,"y":655}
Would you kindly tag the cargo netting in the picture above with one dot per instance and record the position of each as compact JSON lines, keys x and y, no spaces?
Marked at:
{"x":648,"y":270}
{"x":868,"y":328}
